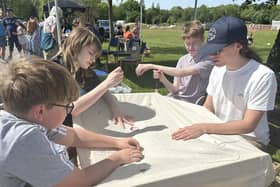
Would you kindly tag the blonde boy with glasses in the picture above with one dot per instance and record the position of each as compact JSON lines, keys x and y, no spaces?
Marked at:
{"x":37,"y":95}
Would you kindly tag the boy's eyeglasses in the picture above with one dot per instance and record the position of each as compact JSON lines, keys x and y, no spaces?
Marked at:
{"x":69,"y":107}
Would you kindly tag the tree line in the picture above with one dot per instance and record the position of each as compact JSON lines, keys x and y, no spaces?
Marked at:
{"x":129,"y":10}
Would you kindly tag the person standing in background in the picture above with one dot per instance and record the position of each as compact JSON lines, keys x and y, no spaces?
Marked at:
{"x":49,"y":33}
{"x":22,"y":38}
{"x":33,"y":30}
{"x":10,"y":24}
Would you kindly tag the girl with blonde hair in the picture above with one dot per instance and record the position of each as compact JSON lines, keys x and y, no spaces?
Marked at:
{"x":78,"y":52}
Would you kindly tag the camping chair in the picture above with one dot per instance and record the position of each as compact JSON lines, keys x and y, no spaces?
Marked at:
{"x":201,"y":100}
{"x":136,"y":52}
{"x":112,"y":48}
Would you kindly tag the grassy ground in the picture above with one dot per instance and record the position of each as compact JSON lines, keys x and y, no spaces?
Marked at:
{"x":166,"y":48}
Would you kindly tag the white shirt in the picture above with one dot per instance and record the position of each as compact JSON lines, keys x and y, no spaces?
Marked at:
{"x":253,"y":87}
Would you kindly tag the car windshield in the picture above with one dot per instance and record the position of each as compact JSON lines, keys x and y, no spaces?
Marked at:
{"x":104,"y":23}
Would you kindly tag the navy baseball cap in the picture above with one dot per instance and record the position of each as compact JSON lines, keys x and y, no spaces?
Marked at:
{"x":223,"y":32}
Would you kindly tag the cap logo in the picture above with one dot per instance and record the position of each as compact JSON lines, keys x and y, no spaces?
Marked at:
{"x":211,"y":34}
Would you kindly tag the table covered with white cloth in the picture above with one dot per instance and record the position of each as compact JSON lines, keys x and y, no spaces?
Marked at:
{"x":208,"y":161}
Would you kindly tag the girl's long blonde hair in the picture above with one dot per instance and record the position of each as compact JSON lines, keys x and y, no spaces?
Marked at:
{"x":79,"y":38}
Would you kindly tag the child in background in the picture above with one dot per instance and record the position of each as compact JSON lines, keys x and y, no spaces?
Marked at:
{"x":22,"y":38}
{"x":37,"y":95}
{"x":127,"y":34}
{"x":190,"y":77}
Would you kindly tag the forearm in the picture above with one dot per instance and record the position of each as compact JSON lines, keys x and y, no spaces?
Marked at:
{"x":175,"y":72}
{"x":230,"y":128}
{"x":88,"y":139}
{"x":168,"y":85}
{"x":99,"y":171}
{"x":91,"y":175}
{"x":110,"y":100}
{"x":90,"y":98}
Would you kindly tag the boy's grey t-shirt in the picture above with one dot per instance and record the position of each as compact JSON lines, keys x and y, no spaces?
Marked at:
{"x":193,"y":86}
{"x":29,"y":157}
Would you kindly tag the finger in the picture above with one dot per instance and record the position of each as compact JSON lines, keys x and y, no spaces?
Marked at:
{"x":187,"y":138}
{"x":114,"y":120}
{"x":179,"y":136}
{"x":177,"y":133}
{"x":137,"y":156}
{"x":130,"y":123}
{"x":133,"y":143}
{"x":129,"y":118}
{"x":120,"y":121}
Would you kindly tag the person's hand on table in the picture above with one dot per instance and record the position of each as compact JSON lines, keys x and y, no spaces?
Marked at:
{"x":124,"y":143}
{"x":119,"y":118}
{"x":188,"y":132}
{"x":126,"y":156}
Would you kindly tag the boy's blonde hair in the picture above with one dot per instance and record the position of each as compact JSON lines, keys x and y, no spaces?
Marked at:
{"x":31,"y":81}
{"x":79,"y":38}
{"x":193,"y":29}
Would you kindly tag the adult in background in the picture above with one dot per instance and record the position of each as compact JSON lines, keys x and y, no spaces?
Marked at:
{"x":240,"y":91}
{"x":10,"y":24}
{"x":49,"y":33}
{"x":33,"y":30}
{"x":23,"y":39}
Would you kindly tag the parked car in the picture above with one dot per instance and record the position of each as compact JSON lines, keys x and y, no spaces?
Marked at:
{"x":104,"y":27}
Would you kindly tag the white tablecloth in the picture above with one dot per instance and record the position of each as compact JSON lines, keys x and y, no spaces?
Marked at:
{"x":208,"y":161}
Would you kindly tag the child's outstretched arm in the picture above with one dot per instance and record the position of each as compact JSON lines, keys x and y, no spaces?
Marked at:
{"x":129,"y":151}
{"x":82,"y":138}
{"x":90,"y":98}
{"x":117,"y":116}
{"x":172,"y":71}
{"x":94,"y":174}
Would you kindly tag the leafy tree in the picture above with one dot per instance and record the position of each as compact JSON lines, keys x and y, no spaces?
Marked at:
{"x":177,"y":13}
{"x":164,"y":16}
{"x":187,"y":14}
{"x":204,"y":14}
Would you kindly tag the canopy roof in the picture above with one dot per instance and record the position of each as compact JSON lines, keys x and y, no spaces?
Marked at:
{"x":67,"y":4}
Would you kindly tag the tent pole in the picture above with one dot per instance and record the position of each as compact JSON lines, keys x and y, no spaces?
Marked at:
{"x":58,"y":25}
{"x":49,"y":6}
{"x":141,"y":17}
{"x":195,"y":10}
{"x":4,"y":8}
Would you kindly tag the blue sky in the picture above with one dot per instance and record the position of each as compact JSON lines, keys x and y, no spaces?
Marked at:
{"x":167,"y":4}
